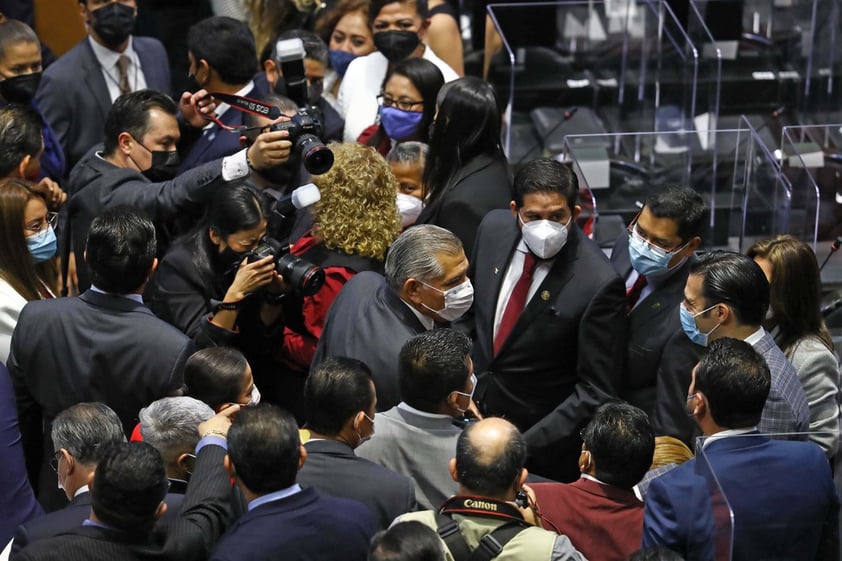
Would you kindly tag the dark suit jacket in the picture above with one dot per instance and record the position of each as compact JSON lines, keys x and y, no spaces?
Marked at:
{"x":99,"y":185}
{"x":565,"y":353}
{"x":482,"y":185}
{"x":603,"y":521}
{"x":784,"y":502}
{"x":213,"y":143}
{"x":59,"y":522}
{"x":333,"y":469}
{"x":74,"y":97}
{"x":304,"y":526}
{"x":205,"y":513}
{"x":94,"y":347}
{"x":652,"y":322}
{"x":369,"y":322}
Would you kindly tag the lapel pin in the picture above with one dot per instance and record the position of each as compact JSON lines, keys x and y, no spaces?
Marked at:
{"x":656,"y":305}
{"x":545,"y":295}
{"x":496,"y":270}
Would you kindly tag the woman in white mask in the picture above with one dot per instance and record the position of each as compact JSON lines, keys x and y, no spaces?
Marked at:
{"x":407,"y":162}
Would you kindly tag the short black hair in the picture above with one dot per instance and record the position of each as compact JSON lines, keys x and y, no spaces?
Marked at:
{"x":406,"y":541}
{"x":20,"y":136}
{"x":376,"y":5}
{"x":622,"y":442}
{"x":227,"y":45}
{"x":431,"y":366}
{"x":486,"y":474}
{"x":736,"y":381}
{"x":120,"y":250}
{"x":736,"y":280}
{"x":336,"y":391}
{"x":215,"y":375}
{"x":129,"y":484}
{"x":263,"y":446}
{"x":655,"y":553}
{"x":130,"y":113}
{"x":683,"y":205}
{"x":546,"y":176}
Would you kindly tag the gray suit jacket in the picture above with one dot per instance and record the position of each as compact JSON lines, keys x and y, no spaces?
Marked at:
{"x":786,"y":408}
{"x":419,"y":447}
{"x":333,"y":469}
{"x":74,"y":98}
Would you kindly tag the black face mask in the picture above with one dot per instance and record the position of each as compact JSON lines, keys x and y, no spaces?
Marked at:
{"x":20,"y":89}
{"x":193,"y":84}
{"x":113,"y":23}
{"x":396,"y":45}
{"x":228,"y":260}
{"x":281,"y":176}
{"x":164,"y":165}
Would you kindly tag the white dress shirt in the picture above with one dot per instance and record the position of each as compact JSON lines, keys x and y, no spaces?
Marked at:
{"x":108,"y":63}
{"x":511,"y":276}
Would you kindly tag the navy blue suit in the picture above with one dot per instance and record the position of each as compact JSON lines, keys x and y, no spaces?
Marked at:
{"x":54,"y":523}
{"x":304,"y":526}
{"x":781,"y":493}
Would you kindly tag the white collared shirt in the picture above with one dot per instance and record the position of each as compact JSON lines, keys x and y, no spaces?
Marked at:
{"x":108,"y":64}
{"x":426,"y":321}
{"x":223,"y":107}
{"x":725,"y":434}
{"x":407,"y":407}
{"x":755,"y":337}
{"x":511,"y":276}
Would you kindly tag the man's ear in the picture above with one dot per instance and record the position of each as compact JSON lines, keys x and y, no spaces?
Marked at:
{"x":162,"y":510}
{"x":521,"y":480}
{"x":229,"y":466}
{"x":184,"y":461}
{"x":91,"y":480}
{"x":69,"y":461}
{"x":577,"y":210}
{"x":272,"y":71}
{"x":451,"y":467}
{"x":125,"y":142}
{"x":513,"y":208}
{"x":302,"y":456}
{"x":422,"y":32}
{"x":412,"y":291}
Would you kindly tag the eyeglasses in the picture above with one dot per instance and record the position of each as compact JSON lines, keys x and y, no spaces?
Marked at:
{"x":633,"y":231}
{"x":40,"y":225}
{"x":56,"y":459}
{"x":402,"y":104}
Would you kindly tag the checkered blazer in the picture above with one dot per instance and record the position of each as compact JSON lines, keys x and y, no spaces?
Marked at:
{"x":786,"y":407}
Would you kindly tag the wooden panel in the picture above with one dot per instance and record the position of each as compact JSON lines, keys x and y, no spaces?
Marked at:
{"x":59,"y":24}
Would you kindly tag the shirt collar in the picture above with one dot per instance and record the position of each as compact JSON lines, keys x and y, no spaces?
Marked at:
{"x":223,"y":107}
{"x":725,"y":434}
{"x":592,"y":478}
{"x":136,"y":297}
{"x":407,"y":407}
{"x":108,"y":58}
{"x":427,"y":322}
{"x":80,"y":490}
{"x":755,"y":337}
{"x":275,"y":496}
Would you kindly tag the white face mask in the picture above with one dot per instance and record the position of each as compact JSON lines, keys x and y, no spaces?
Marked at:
{"x":470,"y":396}
{"x":457,"y":300}
{"x":254,"y":400}
{"x":409,"y":207}
{"x":544,"y":238}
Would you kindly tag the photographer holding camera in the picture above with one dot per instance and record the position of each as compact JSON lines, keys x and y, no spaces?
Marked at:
{"x":209,"y":286}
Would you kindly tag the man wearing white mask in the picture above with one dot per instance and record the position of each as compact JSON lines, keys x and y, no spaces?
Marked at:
{"x":426,"y":283}
{"x":549,"y":324}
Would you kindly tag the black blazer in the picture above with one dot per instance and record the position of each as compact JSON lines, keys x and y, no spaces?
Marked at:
{"x":564,"y":355}
{"x":204,"y":516}
{"x":652,"y":322}
{"x":74,"y":98}
{"x":55,"y":523}
{"x":333,"y":469}
{"x":482,"y":185}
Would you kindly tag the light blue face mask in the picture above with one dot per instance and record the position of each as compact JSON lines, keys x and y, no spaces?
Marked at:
{"x":688,"y":324}
{"x":42,"y":245}
{"x":648,"y":259}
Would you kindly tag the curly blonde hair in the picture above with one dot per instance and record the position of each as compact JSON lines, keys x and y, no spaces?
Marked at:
{"x":267,"y":18}
{"x":357,"y":212}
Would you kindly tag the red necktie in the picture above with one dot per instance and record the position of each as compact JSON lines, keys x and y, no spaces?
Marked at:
{"x":517,"y":301}
{"x":633,"y":294}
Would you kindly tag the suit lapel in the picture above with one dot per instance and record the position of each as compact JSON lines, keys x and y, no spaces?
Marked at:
{"x":652,"y":306}
{"x":94,"y":79}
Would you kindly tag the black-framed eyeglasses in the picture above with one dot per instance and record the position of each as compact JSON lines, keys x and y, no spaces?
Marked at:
{"x":633,"y":231}
{"x":35,"y":227}
{"x":402,"y":104}
{"x":56,"y":459}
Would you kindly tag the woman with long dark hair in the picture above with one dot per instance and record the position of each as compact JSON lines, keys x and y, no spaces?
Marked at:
{"x":27,"y":245}
{"x":466,"y":174}
{"x":407,"y":105}
{"x":795,"y":321}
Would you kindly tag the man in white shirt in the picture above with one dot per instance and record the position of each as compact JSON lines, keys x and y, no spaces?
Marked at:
{"x":399,"y":27}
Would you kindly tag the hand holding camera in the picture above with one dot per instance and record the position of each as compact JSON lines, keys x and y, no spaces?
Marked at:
{"x":271,"y":148}
{"x":251,"y":277}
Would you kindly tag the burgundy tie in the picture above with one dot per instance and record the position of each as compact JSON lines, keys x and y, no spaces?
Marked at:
{"x":633,"y":294}
{"x":517,"y":301}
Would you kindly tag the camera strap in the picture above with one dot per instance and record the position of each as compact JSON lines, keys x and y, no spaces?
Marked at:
{"x":491,"y":544}
{"x":246,"y":105}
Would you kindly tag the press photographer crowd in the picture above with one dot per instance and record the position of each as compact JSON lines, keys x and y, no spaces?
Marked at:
{"x":270,"y":289}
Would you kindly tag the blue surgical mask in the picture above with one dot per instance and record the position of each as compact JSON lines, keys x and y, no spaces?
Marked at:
{"x":647,"y":259}
{"x":399,"y":124}
{"x":42,"y":245}
{"x":340,"y":60}
{"x":688,"y":324}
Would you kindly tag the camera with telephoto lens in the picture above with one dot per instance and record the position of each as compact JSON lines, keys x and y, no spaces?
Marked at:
{"x":305,"y":127}
{"x":304,"y":278}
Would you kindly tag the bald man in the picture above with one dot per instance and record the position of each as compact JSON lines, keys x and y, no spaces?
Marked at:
{"x":488,"y":469}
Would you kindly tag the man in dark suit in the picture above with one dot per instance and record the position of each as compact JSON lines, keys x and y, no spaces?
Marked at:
{"x":127,"y":496}
{"x":222,"y":54}
{"x":417,"y":437}
{"x":138,"y":162}
{"x":104,"y":345}
{"x":283,"y":520}
{"x":81,"y":435}
{"x":654,"y":258}
{"x":372,"y":317}
{"x":780,"y":494}
{"x":549,"y":323}
{"x":600,"y":512}
{"x":339,"y":398}
{"x":726,"y":295}
{"x":78,"y":89}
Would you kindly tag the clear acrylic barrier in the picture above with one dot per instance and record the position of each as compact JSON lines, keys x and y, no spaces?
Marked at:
{"x":715,"y":539}
{"x":822,"y":93}
{"x":748,"y":197}
{"x":589,"y":66}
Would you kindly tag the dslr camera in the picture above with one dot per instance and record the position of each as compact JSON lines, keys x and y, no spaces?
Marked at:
{"x":304,"y":127}
{"x":305,"y":279}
